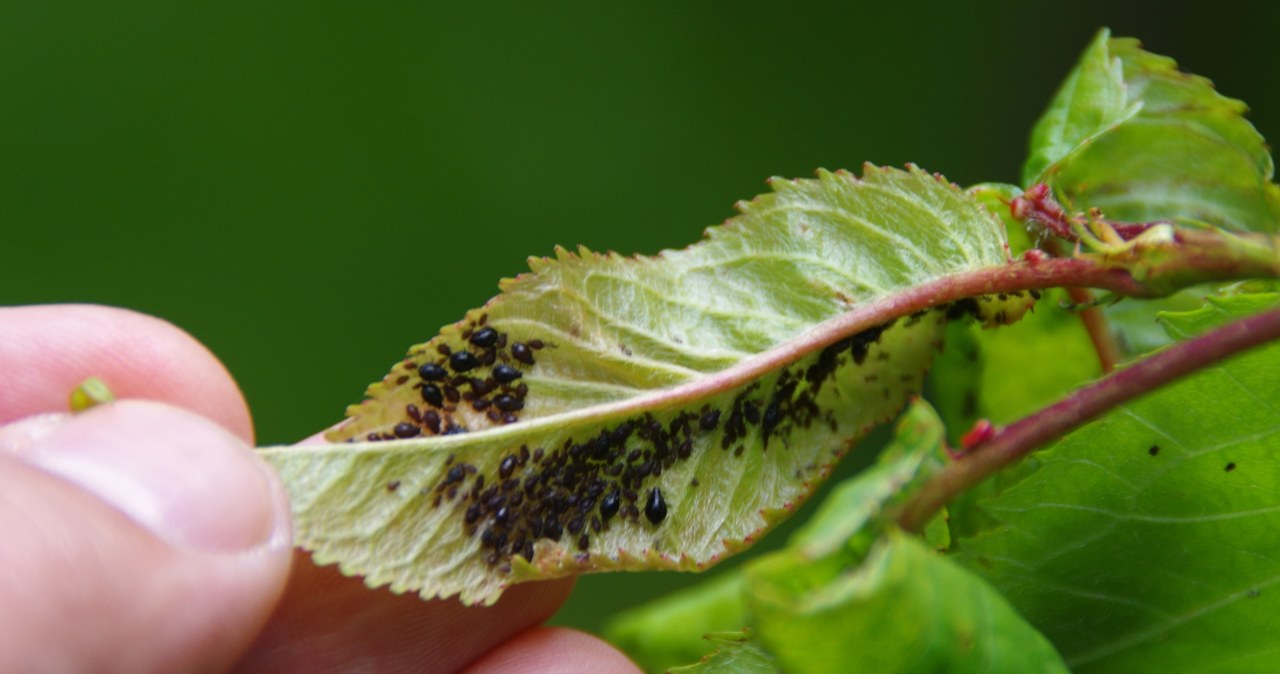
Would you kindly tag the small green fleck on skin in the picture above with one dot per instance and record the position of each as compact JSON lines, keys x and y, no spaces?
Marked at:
{"x":90,"y":393}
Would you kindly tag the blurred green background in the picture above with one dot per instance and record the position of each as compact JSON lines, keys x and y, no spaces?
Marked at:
{"x":311,"y":187}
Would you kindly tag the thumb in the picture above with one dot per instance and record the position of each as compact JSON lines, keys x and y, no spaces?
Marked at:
{"x":134,"y":537}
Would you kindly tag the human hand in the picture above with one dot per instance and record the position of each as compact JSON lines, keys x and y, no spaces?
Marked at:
{"x":145,"y":535}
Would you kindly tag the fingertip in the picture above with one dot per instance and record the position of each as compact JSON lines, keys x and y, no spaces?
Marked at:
{"x":50,"y":349}
{"x":328,"y":622}
{"x":555,"y":650}
{"x":138,"y":537}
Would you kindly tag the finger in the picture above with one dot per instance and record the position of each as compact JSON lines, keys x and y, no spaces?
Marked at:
{"x":328,"y":622}
{"x":137,"y":538}
{"x":554,"y":650}
{"x":46,"y":351}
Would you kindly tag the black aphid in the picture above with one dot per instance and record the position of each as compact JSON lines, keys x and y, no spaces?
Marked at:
{"x":709,"y":420}
{"x":1230,"y":467}
{"x":462,"y":361}
{"x":432,"y":372}
{"x":609,"y":505}
{"x":432,"y":394}
{"x":455,"y":474}
{"x":655,"y":508}
{"x":860,"y":343}
{"x":485,"y":337}
{"x":505,"y":374}
{"x":521,"y":352}
{"x":432,"y":419}
{"x":508,"y":465}
{"x":1153,"y":450}
{"x":507,"y":403}
{"x":405,"y":429}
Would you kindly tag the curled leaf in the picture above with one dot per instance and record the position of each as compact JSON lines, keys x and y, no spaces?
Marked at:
{"x":622,"y":413}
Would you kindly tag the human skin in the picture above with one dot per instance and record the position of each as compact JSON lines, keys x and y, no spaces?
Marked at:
{"x":146,"y":536}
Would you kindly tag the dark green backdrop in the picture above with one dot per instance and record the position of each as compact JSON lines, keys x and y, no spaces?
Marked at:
{"x":311,"y":187}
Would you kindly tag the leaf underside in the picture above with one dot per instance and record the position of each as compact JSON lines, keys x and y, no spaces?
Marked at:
{"x":626,"y":413}
{"x":851,"y":593}
{"x":1146,"y":541}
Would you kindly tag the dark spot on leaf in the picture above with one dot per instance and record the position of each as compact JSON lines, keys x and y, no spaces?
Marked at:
{"x":1153,"y":450}
{"x":961,"y":308}
{"x":1230,"y":467}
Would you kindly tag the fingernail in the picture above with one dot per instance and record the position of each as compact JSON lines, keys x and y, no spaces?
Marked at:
{"x":177,"y":474}
{"x":17,"y":437}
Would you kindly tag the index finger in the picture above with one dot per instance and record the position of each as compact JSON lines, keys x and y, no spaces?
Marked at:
{"x":48,"y":350}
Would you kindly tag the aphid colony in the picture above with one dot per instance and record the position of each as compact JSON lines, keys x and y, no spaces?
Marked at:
{"x":483,"y":375}
{"x":586,"y":486}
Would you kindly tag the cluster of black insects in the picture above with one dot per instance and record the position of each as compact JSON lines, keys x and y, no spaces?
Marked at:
{"x":583,"y":487}
{"x":451,"y":380}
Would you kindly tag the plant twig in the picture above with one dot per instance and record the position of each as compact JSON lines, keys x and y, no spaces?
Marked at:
{"x":1095,"y":324}
{"x":1032,"y":432}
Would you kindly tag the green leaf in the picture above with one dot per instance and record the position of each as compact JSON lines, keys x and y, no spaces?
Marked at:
{"x":1003,"y":375}
{"x":1090,"y":102}
{"x":668,"y":630}
{"x":902,"y":609}
{"x":736,"y":653}
{"x":1133,"y":136}
{"x":694,"y":375}
{"x":1146,"y":540}
{"x":674,"y":629}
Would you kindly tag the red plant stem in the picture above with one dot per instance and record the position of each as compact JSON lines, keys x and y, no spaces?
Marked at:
{"x":1032,"y":432}
{"x":1104,"y":343}
{"x":1095,"y":323}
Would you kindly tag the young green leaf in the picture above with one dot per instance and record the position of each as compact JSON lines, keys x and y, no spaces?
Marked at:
{"x":736,"y":653}
{"x":616,"y":413}
{"x":1145,"y":539}
{"x":1133,"y":136}
{"x":1090,"y":102}
{"x":901,"y":609}
{"x":673,"y":629}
